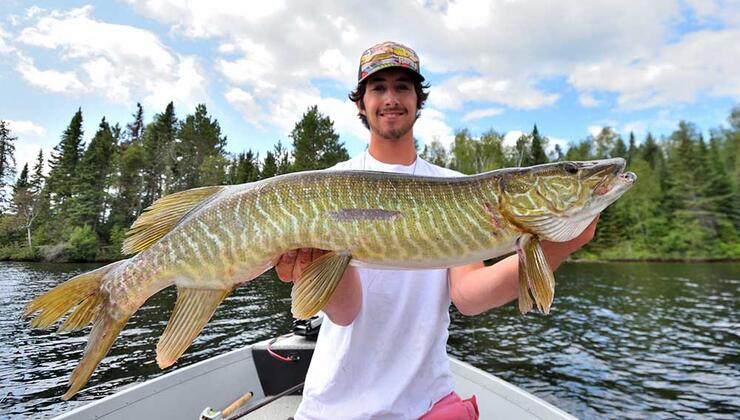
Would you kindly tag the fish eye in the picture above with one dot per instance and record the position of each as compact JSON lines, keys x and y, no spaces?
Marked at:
{"x":570,"y":168}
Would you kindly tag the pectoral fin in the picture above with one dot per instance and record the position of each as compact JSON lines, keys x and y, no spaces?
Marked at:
{"x":534,"y":274}
{"x":317,"y":284}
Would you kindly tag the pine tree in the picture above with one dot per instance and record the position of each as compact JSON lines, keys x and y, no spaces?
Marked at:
{"x":619,"y":149}
{"x":651,"y":152}
{"x":315,"y":143}
{"x":198,"y":138}
{"x":245,"y":168}
{"x":282,"y":158}
{"x":94,"y":179}
{"x":537,"y":152}
{"x":7,"y":162}
{"x":269,"y":166}
{"x":129,"y":184}
{"x":63,"y":163}
{"x":159,"y":158}
{"x":632,"y":150}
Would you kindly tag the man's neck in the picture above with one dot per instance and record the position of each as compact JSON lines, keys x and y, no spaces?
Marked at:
{"x":400,"y":151}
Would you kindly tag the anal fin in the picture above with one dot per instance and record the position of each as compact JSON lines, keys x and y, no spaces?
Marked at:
{"x":317,"y":284}
{"x":193,"y":309}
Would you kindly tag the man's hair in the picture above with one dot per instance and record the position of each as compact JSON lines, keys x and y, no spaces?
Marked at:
{"x":421,"y":97}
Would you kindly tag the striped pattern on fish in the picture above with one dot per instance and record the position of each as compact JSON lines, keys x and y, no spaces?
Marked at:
{"x":208,"y":240}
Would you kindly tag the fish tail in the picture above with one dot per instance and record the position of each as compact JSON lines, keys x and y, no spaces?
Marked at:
{"x":84,"y":294}
{"x":104,"y":332}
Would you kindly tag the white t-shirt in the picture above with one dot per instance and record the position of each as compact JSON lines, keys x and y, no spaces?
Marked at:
{"x":391,"y":362}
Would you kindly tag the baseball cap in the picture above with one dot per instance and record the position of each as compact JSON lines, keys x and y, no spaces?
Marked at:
{"x":387,"y":54}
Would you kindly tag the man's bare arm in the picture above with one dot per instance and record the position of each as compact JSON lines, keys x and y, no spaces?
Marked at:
{"x":475,"y":288}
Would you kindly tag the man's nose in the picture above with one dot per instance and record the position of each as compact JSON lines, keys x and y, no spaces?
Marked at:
{"x":391,"y":97}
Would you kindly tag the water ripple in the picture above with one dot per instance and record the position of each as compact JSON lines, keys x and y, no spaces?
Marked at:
{"x":623,"y":340}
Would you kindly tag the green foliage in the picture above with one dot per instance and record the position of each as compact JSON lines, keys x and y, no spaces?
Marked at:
{"x":7,"y":162}
{"x":83,"y":244}
{"x":685,"y":204}
{"x":315,"y":144}
{"x":435,"y":153}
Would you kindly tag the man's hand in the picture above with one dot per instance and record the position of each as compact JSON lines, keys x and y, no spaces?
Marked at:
{"x":290,"y":266}
{"x":345,"y":303}
{"x":557,"y":252}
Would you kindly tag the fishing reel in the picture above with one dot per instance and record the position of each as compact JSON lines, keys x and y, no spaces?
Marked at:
{"x":308,"y":328}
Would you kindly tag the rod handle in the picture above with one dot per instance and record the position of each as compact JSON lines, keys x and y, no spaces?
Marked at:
{"x":236,"y":404}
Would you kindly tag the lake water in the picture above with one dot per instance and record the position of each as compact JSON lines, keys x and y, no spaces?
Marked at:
{"x":622,"y":341}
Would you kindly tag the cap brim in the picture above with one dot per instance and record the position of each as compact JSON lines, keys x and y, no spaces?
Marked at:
{"x":413,"y":72}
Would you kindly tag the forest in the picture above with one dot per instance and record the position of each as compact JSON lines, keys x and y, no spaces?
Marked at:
{"x":76,"y":202}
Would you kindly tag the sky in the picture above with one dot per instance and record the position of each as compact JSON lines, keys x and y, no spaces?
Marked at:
{"x":569,"y":66}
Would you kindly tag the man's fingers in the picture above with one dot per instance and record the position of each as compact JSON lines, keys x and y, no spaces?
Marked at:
{"x":301,"y":262}
{"x":284,"y":267}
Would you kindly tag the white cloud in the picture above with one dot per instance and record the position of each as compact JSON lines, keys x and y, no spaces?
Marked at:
{"x":481,"y":113}
{"x":587,"y":100}
{"x":25,"y":128}
{"x":432,"y":126}
{"x":4,"y":47}
{"x":553,"y":141}
{"x":51,"y":80}
{"x":119,"y":62}
{"x":511,"y":137}
{"x":454,"y":92}
{"x":594,"y":130}
{"x":675,"y":73}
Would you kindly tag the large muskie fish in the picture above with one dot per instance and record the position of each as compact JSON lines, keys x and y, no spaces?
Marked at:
{"x":207,"y":241}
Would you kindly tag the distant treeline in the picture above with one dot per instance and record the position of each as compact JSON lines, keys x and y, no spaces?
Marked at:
{"x":685,"y":205}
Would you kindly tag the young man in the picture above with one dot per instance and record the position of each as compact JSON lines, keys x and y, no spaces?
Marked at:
{"x":382,"y":351}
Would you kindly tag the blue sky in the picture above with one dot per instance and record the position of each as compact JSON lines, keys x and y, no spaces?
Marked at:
{"x":569,"y":66}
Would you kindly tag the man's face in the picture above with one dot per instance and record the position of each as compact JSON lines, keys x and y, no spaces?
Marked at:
{"x":390,"y":103}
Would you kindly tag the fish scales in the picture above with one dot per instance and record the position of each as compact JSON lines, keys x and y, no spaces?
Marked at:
{"x":208,"y":240}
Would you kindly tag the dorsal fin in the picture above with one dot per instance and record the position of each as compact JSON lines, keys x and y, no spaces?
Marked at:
{"x":162,"y":216}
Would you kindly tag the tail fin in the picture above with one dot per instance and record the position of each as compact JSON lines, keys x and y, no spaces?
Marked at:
{"x":82,"y":292}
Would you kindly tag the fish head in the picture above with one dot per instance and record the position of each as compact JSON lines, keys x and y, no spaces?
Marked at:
{"x":557,"y":201}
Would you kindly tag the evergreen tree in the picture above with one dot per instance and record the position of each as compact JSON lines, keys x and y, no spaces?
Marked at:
{"x":651,"y":152}
{"x":269,"y":166}
{"x":246,"y":168}
{"x":537,"y":152}
{"x":315,"y":144}
{"x":198,"y":138}
{"x":282,"y":158}
{"x":63,"y":163}
{"x":37,"y":177}
{"x":7,"y":162}
{"x":158,"y":154}
{"x":632,"y":150}
{"x":135,"y":129}
{"x":93,"y":180}
{"x":129,"y":184}
{"x":619,"y":149}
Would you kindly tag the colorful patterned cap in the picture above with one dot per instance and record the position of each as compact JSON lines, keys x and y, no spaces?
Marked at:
{"x":387,"y":54}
